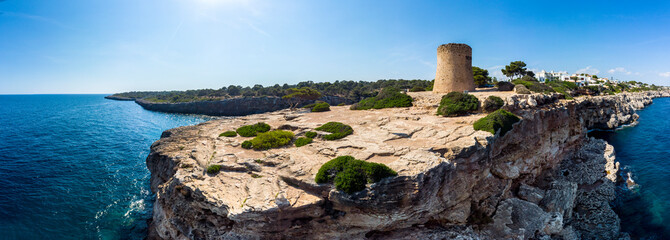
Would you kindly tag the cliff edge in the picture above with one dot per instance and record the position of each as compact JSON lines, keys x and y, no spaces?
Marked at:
{"x":543,"y":179}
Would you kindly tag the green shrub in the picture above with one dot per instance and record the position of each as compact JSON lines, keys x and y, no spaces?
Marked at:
{"x":310,"y":134}
{"x":492,"y":103}
{"x":499,"y":120}
{"x":302,"y":141}
{"x":387,"y":98}
{"x":337,"y":129}
{"x":457,"y":104}
{"x":311,"y":105}
{"x":417,"y":89}
{"x":321,"y":107}
{"x":341,"y":104}
{"x":561,"y":88}
{"x":252,"y":130}
{"x":350,"y":175}
{"x":271,"y":139}
{"x":247,"y":144}
{"x":213,"y":169}
{"x":228,"y":134}
{"x":594,"y":89}
{"x":534,"y":86}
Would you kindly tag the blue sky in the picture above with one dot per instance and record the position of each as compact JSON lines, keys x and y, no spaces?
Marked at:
{"x":85,"y":46}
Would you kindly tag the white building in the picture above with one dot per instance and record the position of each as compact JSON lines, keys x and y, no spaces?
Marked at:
{"x":544,"y":76}
{"x":581,"y":79}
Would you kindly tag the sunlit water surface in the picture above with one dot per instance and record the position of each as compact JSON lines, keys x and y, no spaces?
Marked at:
{"x":644,"y":151}
{"x":73,"y":166}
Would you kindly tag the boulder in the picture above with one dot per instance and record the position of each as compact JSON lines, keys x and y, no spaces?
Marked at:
{"x":516,"y":218}
{"x":521,"y":89}
{"x":560,"y":198}
{"x":530,"y":193}
{"x":505,"y":86}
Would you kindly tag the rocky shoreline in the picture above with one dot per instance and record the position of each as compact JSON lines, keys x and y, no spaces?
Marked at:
{"x":545,"y":179}
{"x":112,"y":97}
{"x":228,"y":107}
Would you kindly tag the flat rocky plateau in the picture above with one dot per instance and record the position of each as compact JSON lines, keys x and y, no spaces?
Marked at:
{"x":544,"y":179}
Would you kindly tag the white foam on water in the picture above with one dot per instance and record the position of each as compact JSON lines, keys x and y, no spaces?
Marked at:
{"x":135,"y":206}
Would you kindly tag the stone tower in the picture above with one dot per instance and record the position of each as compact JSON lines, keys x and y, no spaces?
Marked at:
{"x":454,"y":69}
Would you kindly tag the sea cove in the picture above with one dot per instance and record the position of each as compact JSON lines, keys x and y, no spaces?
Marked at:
{"x":72,"y":166}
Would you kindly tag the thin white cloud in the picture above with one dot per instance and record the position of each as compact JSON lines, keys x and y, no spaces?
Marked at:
{"x":619,"y":69}
{"x":589,"y":70}
{"x":257,"y":29}
{"x":664,"y":74}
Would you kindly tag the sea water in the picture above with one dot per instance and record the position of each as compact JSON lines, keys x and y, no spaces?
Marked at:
{"x":73,"y":166}
{"x":644,"y":153}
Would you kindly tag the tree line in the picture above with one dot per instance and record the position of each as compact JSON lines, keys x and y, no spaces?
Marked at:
{"x":353,"y":90}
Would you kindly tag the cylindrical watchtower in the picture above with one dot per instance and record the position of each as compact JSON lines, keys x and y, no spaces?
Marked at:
{"x":454,"y":68}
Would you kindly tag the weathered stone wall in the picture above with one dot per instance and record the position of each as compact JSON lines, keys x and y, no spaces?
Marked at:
{"x":454,"y":69}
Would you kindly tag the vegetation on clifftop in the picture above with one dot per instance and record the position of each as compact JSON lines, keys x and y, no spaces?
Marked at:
{"x":253,"y":130}
{"x":533,"y":85}
{"x":271,"y":139}
{"x":321,"y":107}
{"x":302,"y":141}
{"x":213,"y":169}
{"x":492,"y":103}
{"x":499,"y":120}
{"x":351,"y":175}
{"x":457,"y":104}
{"x":228,"y":134}
{"x":310,"y":134}
{"x":296,"y":96}
{"x":337,"y":129}
{"x":387,"y":98}
{"x":352,"y":90}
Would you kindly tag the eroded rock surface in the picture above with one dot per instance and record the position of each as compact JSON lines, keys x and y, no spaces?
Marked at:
{"x":543,"y":179}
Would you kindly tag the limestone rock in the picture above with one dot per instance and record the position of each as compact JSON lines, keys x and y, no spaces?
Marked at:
{"x":530,"y":193}
{"x":560,"y":198}
{"x":450,"y":177}
{"x":521,"y":89}
{"x":516,"y":217}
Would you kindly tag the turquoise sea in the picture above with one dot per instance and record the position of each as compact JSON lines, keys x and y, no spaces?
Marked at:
{"x":73,"y":166}
{"x":644,"y":151}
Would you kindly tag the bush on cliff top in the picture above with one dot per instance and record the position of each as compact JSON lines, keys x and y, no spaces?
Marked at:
{"x":213,"y":169}
{"x":499,"y":120}
{"x":534,"y":86}
{"x":253,"y":130}
{"x":310,"y":134}
{"x":228,"y":134}
{"x":337,"y":129}
{"x":387,"y":98}
{"x":321,"y":107}
{"x":272,"y":139}
{"x":457,"y":104}
{"x":417,"y":89}
{"x":302,"y":141}
{"x":492,"y":103}
{"x":247,"y":144}
{"x":350,"y":175}
{"x":560,"y":88}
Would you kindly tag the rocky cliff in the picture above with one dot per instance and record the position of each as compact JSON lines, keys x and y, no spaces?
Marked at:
{"x":231,"y":107}
{"x":543,"y":179}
